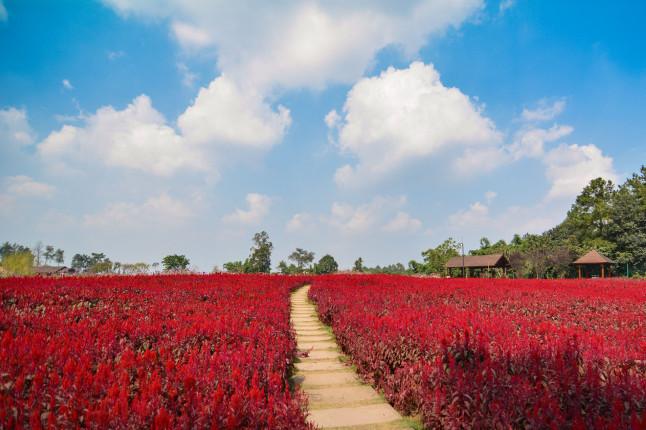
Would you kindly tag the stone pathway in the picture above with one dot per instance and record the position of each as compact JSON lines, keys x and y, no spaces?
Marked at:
{"x":337,"y":398}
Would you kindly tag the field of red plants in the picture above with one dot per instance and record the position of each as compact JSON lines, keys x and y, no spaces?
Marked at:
{"x":496,"y":353}
{"x":147,"y":352}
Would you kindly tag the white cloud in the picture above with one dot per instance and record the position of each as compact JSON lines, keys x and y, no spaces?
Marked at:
{"x":190,"y":36}
{"x":258,"y":208}
{"x":159,"y":210}
{"x":531,"y":142}
{"x":15,"y":128}
{"x":490,"y":195}
{"x":476,"y":214}
{"x":362,"y":218}
{"x":24,"y":186}
{"x":3,"y":11}
{"x":528,"y":143}
{"x":67,"y":84}
{"x":136,"y":137}
{"x":544,"y":111}
{"x":402,"y":222}
{"x":113,"y":55}
{"x":504,"y":5}
{"x":570,"y":168}
{"x":299,"y":222}
{"x":188,"y":77}
{"x":302,"y":44}
{"x":403,"y":115}
{"x":225,"y":113}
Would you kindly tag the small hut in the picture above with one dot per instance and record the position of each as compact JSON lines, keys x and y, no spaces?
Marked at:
{"x":593,"y":263}
{"x":52,"y":271}
{"x":479,"y":263}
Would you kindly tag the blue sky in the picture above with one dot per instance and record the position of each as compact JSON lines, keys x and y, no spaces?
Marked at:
{"x":375,"y":129}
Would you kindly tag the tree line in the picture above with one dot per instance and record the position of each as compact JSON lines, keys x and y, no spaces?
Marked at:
{"x":607,"y":217}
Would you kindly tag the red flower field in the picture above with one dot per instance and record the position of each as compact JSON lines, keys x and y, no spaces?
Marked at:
{"x":215,"y":351}
{"x":147,"y":352}
{"x":496,"y":353}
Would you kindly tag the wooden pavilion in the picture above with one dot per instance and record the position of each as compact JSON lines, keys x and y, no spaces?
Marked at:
{"x":480,"y":263}
{"x":587,"y":264}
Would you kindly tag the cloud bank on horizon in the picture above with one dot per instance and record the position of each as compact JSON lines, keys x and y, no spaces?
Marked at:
{"x":389,"y":110}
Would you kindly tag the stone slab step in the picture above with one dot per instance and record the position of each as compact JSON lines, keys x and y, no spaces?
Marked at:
{"x":341,"y":396}
{"x":314,"y":338}
{"x":316,"y":346}
{"x":323,"y":379}
{"x":316,"y":366}
{"x":354,"y":416}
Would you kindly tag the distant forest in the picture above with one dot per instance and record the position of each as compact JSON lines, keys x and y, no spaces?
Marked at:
{"x":605,"y":217}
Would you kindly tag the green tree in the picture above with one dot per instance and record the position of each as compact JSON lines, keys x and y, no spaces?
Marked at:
{"x":38,"y":252}
{"x":358,"y":265}
{"x":18,"y":263}
{"x":59,"y":256}
{"x":12,"y":248}
{"x":287,"y":269}
{"x":49,"y":253}
{"x":628,"y":227}
{"x":259,"y":260}
{"x":81,"y":262}
{"x":234,"y":266}
{"x":175,"y":263}
{"x":435,"y":258}
{"x":327,"y":264}
{"x":302,"y":258}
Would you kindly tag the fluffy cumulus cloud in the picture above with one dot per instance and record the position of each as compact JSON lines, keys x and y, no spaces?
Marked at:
{"x":545,"y":111}
{"x":301,"y":44}
{"x":24,"y":186}
{"x":382,"y":212}
{"x":572,"y":167}
{"x":299,"y":222}
{"x":402,"y":115}
{"x":485,"y":218}
{"x":257,"y":208}
{"x":225,"y":113}
{"x":158,"y":210}
{"x":136,"y":137}
{"x":402,"y":222}
{"x":139,"y":137}
{"x":15,"y":128}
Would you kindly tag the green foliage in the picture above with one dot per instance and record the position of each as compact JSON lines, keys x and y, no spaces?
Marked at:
{"x":605,"y":218}
{"x":175,"y":263}
{"x":12,"y":248}
{"x":390,"y":269}
{"x":259,"y":260}
{"x":234,"y":266}
{"x":97,"y":262}
{"x":302,"y":258}
{"x":327,"y":264}
{"x":18,"y":263}
{"x":358,"y":265}
{"x":435,"y":258}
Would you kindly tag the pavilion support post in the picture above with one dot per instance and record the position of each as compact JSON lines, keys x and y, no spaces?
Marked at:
{"x":603,"y":274}
{"x":579,"y":267}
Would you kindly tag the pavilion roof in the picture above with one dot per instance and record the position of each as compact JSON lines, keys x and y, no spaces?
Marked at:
{"x":594,"y":257}
{"x":478,"y":261}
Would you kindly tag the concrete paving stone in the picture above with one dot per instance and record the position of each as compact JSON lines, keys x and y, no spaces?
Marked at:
{"x":315,"y":346}
{"x":318,"y":379}
{"x":356,"y":416}
{"x":320,"y":366}
{"x":314,"y":338}
{"x":323,"y":354}
{"x":341,"y":396}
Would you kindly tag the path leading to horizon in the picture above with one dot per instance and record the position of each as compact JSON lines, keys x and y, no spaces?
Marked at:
{"x":337,"y":398}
